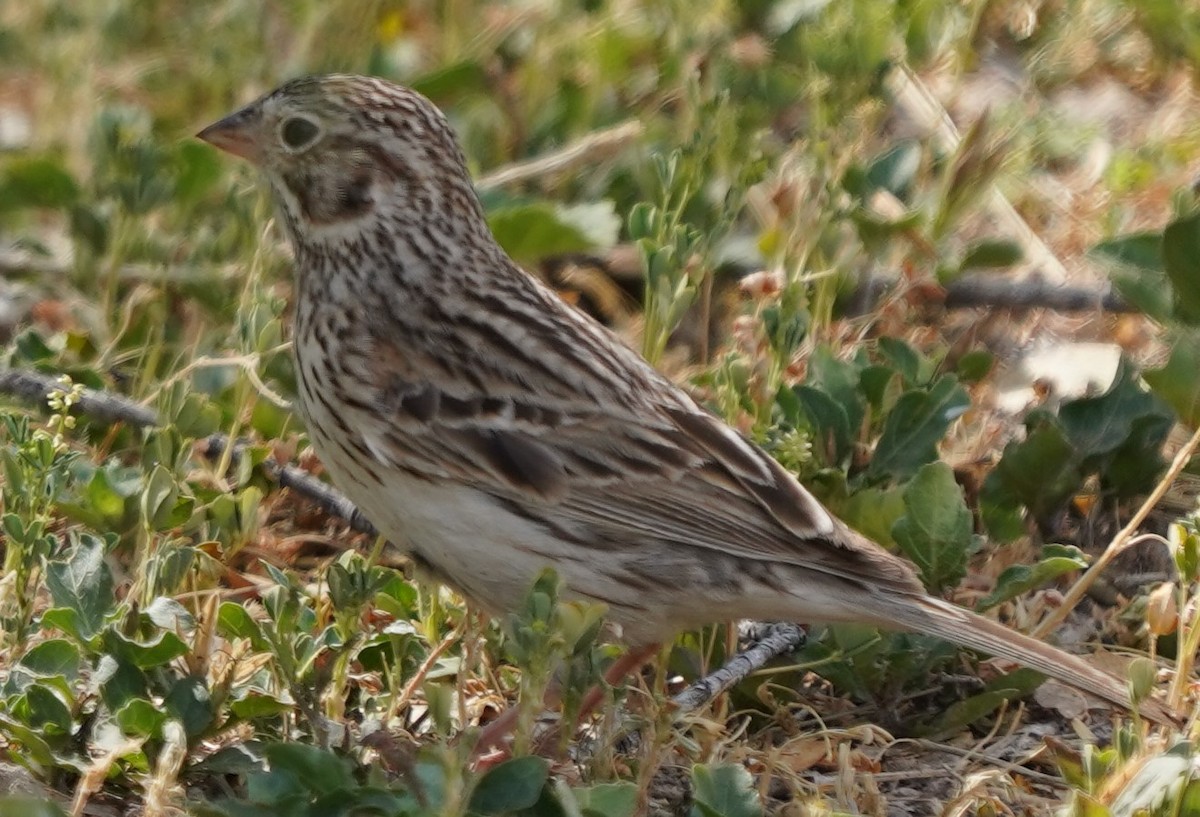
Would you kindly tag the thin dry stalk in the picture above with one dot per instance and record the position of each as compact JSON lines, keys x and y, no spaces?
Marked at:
{"x":1121,"y":541}
{"x":587,"y":150}
{"x":414,"y":683}
{"x":163,"y":789}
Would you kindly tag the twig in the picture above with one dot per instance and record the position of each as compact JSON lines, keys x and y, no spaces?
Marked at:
{"x":249,"y":364}
{"x":589,"y":149}
{"x":1119,"y":542}
{"x":972,"y":754}
{"x":414,"y":683}
{"x":16,"y":264}
{"x":997,"y":291}
{"x":32,"y":387}
{"x":330,"y":499}
{"x":779,"y":639}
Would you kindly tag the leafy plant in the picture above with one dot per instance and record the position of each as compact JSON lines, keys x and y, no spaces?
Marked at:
{"x":1114,"y":438}
{"x":37,"y":472}
{"x":145,"y":613}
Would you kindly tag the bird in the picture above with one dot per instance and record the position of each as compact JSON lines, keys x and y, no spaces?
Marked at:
{"x":492,"y":430}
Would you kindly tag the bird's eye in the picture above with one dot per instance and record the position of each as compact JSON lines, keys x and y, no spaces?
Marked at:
{"x":298,"y":132}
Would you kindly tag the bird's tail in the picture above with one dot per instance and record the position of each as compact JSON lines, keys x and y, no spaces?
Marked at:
{"x":956,"y":624}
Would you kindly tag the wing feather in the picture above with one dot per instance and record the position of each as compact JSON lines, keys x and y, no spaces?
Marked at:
{"x":670,"y":473}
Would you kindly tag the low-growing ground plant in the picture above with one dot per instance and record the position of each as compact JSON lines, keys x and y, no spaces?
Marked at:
{"x":179,"y":631}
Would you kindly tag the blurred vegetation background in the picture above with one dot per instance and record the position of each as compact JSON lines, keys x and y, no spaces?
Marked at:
{"x":776,"y":201}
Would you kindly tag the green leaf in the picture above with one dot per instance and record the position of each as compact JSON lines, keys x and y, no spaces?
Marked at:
{"x":961,"y":714}
{"x":190,"y":702}
{"x":882,"y":386}
{"x":141,"y":718}
{"x":1178,"y":381}
{"x":895,"y":170}
{"x":876,"y":230}
{"x":607,"y":800}
{"x":103,"y":497}
{"x":14,"y":528}
{"x":992,"y":253}
{"x":259,"y":705}
{"x":848,"y":655}
{"x":31,"y":347}
{"x":398,"y":597}
{"x":173,"y":564}
{"x":914,"y":427}
{"x":90,"y":227}
{"x":530,"y":232}
{"x":1038,"y":473}
{"x":644,"y":220}
{"x":37,"y":181}
{"x":936,"y":530}
{"x":40,"y":707}
{"x":29,"y":807}
{"x":1189,"y":800}
{"x":840,"y":381}
{"x":513,"y":785}
{"x":873,"y":512}
{"x":161,"y":649}
{"x":1016,"y":580}
{"x":903,"y":358}
{"x":1142,"y":675}
{"x":1187,"y":554}
{"x":975,"y":365}
{"x":168,"y":614}
{"x":158,"y":497}
{"x":1141,"y":250}
{"x":1137,"y":271}
{"x":320,"y":770}
{"x":1136,"y":465}
{"x":830,"y":427}
{"x":785,"y":329}
{"x":1148,"y":292}
{"x":1181,"y":259}
{"x":199,"y":167}
{"x":81,"y":583}
{"x":463,"y":77}
{"x":120,"y":682}
{"x":1099,"y":425}
{"x":27,"y":747}
{"x":197,"y":416}
{"x":54,"y":657}
{"x":724,"y":790}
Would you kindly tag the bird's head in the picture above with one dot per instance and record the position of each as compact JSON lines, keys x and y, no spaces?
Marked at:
{"x":344,"y":153}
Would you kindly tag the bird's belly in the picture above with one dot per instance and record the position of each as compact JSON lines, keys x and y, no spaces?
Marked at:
{"x":471,"y":541}
{"x":464,"y":539}
{"x":459,"y":533}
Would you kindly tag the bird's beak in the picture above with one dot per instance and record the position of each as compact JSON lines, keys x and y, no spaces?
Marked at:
{"x":236,"y":134}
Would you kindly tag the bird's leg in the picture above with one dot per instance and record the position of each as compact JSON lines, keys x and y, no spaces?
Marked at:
{"x":628,"y":663}
{"x":499,"y":730}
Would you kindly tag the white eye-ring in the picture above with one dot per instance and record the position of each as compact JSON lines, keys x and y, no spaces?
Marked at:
{"x":298,"y":132}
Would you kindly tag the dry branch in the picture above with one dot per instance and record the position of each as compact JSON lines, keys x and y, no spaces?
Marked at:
{"x":32,"y":388}
{"x":779,"y":639}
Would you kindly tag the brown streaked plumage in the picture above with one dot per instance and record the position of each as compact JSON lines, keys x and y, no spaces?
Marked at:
{"x":492,"y":430}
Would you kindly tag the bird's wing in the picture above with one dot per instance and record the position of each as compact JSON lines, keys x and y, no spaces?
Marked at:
{"x":529,"y":400}
{"x":667,"y":472}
